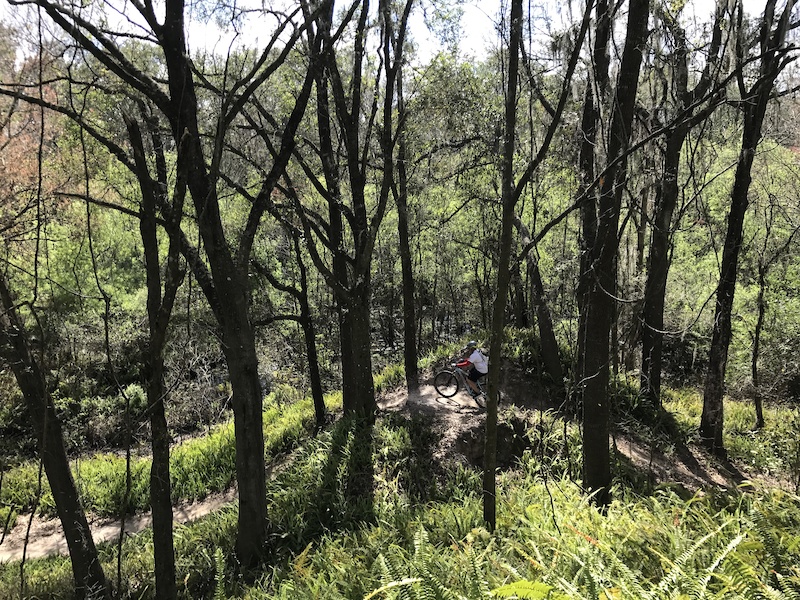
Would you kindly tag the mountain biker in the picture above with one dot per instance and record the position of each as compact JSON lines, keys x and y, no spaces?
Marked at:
{"x":478,"y":365}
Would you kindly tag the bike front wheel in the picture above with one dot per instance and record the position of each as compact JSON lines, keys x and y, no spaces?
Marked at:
{"x":446,"y":383}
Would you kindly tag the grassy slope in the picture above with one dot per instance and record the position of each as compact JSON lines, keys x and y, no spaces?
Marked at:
{"x":350,"y":518}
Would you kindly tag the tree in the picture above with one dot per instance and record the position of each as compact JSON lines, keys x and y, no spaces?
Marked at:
{"x":222,"y":267}
{"x":767,"y":256}
{"x":773,"y":57}
{"x":401,"y":199}
{"x":512,"y":188}
{"x":346,"y":108}
{"x":160,"y":301}
{"x":26,"y":141}
{"x":598,"y":274}
{"x":685,"y":118}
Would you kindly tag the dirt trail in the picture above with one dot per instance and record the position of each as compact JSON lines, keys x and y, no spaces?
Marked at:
{"x":454,"y":418}
{"x":46,"y":537}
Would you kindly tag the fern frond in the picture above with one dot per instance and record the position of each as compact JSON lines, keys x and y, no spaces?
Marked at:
{"x":528,"y":590}
{"x":409,"y":581}
{"x":391,"y":571}
{"x":711,"y":570}
{"x":219,"y":575}
{"x":790,"y":586}
{"x":431,"y":588}
{"x":478,"y":586}
{"x":679,"y":571}
{"x":302,"y":562}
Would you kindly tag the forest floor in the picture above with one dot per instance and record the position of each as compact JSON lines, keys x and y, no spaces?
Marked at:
{"x":459,"y":423}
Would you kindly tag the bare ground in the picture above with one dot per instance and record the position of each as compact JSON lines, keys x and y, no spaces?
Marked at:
{"x":458,"y":420}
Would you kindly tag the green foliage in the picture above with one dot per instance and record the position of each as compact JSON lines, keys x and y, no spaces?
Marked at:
{"x":219,"y":575}
{"x":390,"y":377}
{"x":772,"y":450}
{"x":197,"y":467}
{"x":528,"y":590}
{"x":332,"y":538}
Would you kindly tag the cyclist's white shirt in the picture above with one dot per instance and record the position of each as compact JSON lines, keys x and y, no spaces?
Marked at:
{"x":480,"y":361}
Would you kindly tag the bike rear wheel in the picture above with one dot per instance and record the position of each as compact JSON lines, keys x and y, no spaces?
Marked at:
{"x":446,"y":383}
{"x":481,"y":399}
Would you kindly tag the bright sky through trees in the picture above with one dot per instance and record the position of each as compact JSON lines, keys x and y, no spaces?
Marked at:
{"x":478,"y":28}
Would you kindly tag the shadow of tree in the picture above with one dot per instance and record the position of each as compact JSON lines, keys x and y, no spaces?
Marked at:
{"x":656,"y":427}
{"x":331,"y":485}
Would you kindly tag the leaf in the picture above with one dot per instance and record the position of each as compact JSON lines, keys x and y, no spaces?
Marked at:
{"x":301,"y":563}
{"x":528,"y":590}
{"x":393,"y":584}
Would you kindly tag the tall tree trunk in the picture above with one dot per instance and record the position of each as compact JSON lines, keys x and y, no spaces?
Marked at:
{"x":600,"y":278}
{"x":409,"y":297}
{"x":240,"y":354}
{"x":590,"y":116}
{"x":762,"y":307}
{"x":503,"y":270}
{"x":754,"y":104}
{"x":668,"y":193}
{"x":227,"y":293}
{"x":160,"y":487}
{"x":658,"y":269}
{"x":159,"y":311}
{"x":87,"y":572}
{"x":310,"y":337}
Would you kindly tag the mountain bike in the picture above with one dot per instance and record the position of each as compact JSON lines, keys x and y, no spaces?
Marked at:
{"x":448,"y":381}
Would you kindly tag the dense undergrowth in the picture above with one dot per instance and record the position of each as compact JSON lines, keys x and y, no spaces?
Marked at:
{"x":403,"y":526}
{"x":365,"y":511}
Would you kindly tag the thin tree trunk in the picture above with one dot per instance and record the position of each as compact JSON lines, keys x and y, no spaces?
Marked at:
{"x":586,"y":160}
{"x":755,"y":108}
{"x":550,"y":352}
{"x":409,"y":297}
{"x":519,"y":303}
{"x":503,"y":270}
{"x":87,"y":572}
{"x":310,"y":337}
{"x":658,"y":269}
{"x":159,"y":310}
{"x":762,"y":306}
{"x":160,"y":487}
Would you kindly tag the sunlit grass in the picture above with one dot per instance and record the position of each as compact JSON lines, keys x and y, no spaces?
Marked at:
{"x":198,"y":466}
{"x":409,"y":540}
{"x":771,"y":450}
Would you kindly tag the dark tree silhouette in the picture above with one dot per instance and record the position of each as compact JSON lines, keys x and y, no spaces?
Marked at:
{"x":598,"y":276}
{"x":87,"y":572}
{"x":160,"y":301}
{"x":773,"y":57}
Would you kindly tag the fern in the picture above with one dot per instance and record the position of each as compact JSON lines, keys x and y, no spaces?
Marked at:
{"x":392,"y":578}
{"x":711,"y":571}
{"x":478,"y":586}
{"x":679,"y":570}
{"x":790,"y":586}
{"x":391,"y":586}
{"x":528,"y":590}
{"x":219,"y":575}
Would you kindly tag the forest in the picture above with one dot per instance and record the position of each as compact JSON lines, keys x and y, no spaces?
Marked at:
{"x":241,"y":239}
